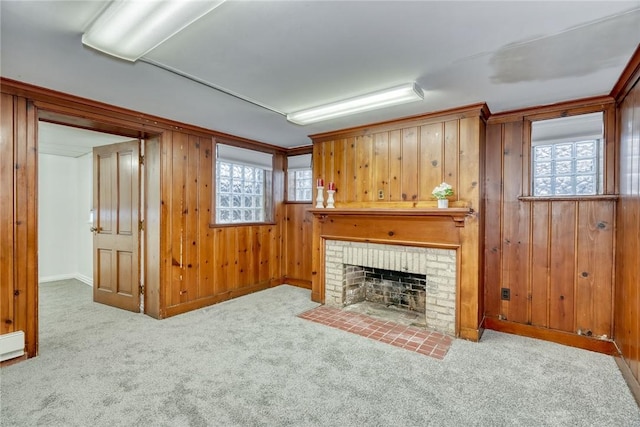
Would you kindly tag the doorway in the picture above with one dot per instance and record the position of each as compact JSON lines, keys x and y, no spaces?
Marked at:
{"x":65,"y":202}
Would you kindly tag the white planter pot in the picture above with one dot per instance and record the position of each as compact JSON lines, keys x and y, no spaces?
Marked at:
{"x":443,"y":203}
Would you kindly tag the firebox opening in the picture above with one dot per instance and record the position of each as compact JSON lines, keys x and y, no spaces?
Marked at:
{"x":390,"y":295}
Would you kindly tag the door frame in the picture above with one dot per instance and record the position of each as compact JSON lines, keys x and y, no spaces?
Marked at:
{"x":76,"y":117}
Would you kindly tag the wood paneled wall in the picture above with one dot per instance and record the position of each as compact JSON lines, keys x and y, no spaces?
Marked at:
{"x":190,"y":264}
{"x":555,"y":256}
{"x":405,"y":160}
{"x":18,"y":220}
{"x":204,"y":264}
{"x":297,"y":238}
{"x":627,"y":295}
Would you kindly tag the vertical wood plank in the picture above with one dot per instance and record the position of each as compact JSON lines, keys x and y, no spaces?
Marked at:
{"x":540,"y":263}
{"x":451,"y":153}
{"x":243,"y":256}
{"x":594,"y":289}
{"x":562,"y":268}
{"x":381,"y":165}
{"x":222,"y":261}
{"x":339,"y":175}
{"x":7,"y":146}
{"x":470,"y":164}
{"x":515,"y":233}
{"x":493,"y":215}
{"x":431,"y":159}
{"x":177,"y":217}
{"x":206,"y":256}
{"x":395,"y":166}
{"x":231,"y":246}
{"x":409,"y":177}
{"x":191,"y":241}
{"x":364,"y":168}
{"x":152,"y":231}
{"x":350,"y":172}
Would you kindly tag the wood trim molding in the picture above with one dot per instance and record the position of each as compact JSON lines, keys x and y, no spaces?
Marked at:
{"x":561,"y":109}
{"x":598,"y":198}
{"x":296,"y":151}
{"x":473,"y":110}
{"x":458,"y":215}
{"x":71,"y":110}
{"x":632,"y":381}
{"x":629,"y":77}
{"x":559,"y":337}
{"x":300,"y":283}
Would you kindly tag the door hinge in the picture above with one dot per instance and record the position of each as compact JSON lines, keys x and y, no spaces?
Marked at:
{"x":141,"y":289}
{"x":141,"y":159}
{"x":141,"y":225}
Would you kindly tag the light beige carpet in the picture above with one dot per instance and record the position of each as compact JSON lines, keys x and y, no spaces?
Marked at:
{"x":252,"y":362}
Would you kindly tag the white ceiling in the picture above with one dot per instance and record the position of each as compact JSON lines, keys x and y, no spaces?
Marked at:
{"x":71,"y":142}
{"x":291,"y":55}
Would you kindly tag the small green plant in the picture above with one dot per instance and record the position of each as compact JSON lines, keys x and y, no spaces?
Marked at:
{"x":442,"y":191}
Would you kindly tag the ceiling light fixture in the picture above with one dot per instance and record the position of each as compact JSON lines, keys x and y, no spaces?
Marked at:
{"x":405,"y":93}
{"x":130,"y":29}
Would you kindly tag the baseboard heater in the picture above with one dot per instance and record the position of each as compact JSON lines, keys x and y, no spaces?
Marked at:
{"x":11,"y":345}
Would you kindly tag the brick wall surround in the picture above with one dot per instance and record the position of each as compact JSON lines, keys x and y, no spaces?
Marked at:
{"x":439,"y":265}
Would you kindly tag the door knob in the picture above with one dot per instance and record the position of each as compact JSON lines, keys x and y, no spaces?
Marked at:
{"x":94,"y":230}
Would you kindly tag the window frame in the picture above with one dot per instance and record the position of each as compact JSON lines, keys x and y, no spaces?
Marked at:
{"x":268,"y":189}
{"x":608,"y":183}
{"x":298,"y":168}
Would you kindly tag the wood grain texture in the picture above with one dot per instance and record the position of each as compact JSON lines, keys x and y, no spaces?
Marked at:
{"x":546,"y":244}
{"x":189,"y":261}
{"x":627,"y":290}
{"x":7,"y":257}
{"x":297,"y":243}
{"x":405,"y":160}
{"x":18,"y":220}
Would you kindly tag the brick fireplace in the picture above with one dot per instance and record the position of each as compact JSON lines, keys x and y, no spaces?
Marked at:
{"x":441,"y":244}
{"x":347,"y":264}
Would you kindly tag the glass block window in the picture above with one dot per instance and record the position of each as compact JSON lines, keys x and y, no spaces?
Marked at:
{"x":299,"y":178}
{"x":299,"y":185}
{"x":567,"y":168}
{"x":240,"y":193}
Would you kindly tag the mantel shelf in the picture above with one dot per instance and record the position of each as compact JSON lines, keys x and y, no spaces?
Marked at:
{"x":456,"y":214}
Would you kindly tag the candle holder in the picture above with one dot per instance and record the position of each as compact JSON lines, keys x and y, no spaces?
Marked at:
{"x":330,"y":199}
{"x":320,"y":198}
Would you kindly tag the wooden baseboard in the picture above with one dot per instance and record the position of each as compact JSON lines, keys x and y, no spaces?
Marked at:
{"x":565,"y":338}
{"x":470,"y":334}
{"x":14,"y":360}
{"x":204,"y":302}
{"x":632,"y":381}
{"x":301,"y":283}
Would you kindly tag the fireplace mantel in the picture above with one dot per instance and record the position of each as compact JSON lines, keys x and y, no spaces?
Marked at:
{"x":452,"y":228}
{"x":458,"y":215}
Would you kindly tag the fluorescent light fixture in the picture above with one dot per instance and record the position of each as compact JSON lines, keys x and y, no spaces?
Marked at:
{"x":384,"y":98}
{"x":128,"y":29}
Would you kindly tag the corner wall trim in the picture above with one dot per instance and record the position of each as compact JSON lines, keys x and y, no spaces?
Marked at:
{"x":81,"y":277}
{"x":631,"y":381}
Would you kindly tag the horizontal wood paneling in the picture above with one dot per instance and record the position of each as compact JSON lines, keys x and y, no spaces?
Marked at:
{"x":554,"y":256}
{"x":627,"y":294}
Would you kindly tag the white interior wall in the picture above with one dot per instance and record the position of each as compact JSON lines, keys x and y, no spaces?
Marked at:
{"x":84,"y":247}
{"x":64,"y":200}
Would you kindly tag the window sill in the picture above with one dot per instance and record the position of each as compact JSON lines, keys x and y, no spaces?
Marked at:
{"x":241,"y":224}
{"x":597,"y":197}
